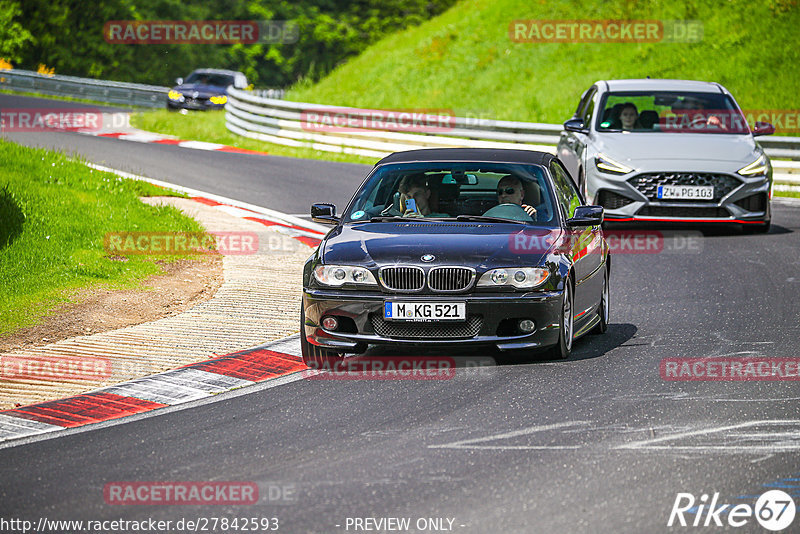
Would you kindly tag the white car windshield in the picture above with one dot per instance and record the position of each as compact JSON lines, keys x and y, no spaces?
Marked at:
{"x":672,"y":112}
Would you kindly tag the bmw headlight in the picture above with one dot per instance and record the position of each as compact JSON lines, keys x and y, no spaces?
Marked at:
{"x":759,"y":166}
{"x":220,"y":99}
{"x":518,"y":277}
{"x":175,"y":95}
{"x":338,"y":275}
{"x":609,"y":166}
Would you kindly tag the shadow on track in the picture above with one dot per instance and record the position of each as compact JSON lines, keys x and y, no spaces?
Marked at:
{"x":585,"y":348}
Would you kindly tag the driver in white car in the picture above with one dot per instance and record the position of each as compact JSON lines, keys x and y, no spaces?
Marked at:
{"x":510,"y":191}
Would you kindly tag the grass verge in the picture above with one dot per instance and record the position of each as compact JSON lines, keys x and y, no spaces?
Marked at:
{"x":54,"y":214}
{"x":466,"y":60}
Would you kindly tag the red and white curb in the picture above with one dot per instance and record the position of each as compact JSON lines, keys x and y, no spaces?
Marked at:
{"x":308,"y":233}
{"x":193,"y":382}
{"x":189,"y":383}
{"x":148,"y":137}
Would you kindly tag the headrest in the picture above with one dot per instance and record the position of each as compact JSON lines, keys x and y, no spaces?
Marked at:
{"x":648,"y":118}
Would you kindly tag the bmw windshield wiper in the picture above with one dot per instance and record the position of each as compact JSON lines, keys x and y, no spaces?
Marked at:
{"x":385,"y":218}
{"x":484,"y":218}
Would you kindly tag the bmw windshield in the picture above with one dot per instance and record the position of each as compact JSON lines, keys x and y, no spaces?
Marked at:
{"x":205,"y":78}
{"x":456,"y":191}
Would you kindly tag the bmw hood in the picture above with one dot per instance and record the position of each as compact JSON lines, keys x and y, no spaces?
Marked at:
{"x":479,"y":245}
{"x":660,"y":150}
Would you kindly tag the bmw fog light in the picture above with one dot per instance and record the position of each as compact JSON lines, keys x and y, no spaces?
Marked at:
{"x":330,"y":323}
{"x":526,"y":326}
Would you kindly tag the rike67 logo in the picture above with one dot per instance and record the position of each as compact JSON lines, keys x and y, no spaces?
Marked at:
{"x":774,"y":510}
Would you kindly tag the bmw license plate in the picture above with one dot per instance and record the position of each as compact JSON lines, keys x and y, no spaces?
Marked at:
{"x":425,"y":311}
{"x":686,"y":192}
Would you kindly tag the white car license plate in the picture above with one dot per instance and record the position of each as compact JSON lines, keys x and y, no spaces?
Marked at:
{"x":694,"y":192}
{"x":425,"y":311}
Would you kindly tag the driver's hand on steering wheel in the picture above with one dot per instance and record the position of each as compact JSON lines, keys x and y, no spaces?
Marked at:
{"x":530,"y":210}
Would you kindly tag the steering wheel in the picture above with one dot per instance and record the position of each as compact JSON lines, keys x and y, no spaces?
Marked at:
{"x":698,"y":122}
{"x":511,"y":211}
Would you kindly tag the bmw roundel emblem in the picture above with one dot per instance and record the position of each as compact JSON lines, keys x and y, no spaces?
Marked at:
{"x":428,"y":257}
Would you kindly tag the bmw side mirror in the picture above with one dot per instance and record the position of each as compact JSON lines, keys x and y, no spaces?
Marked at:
{"x":178,"y":81}
{"x":763,"y":128}
{"x":324,"y":213}
{"x":586,"y":216}
{"x":575,"y":125}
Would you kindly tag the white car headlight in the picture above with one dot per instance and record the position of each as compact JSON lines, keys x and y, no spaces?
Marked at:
{"x":759,"y":166}
{"x":338,"y":275}
{"x":518,"y":277}
{"x":608,"y":165}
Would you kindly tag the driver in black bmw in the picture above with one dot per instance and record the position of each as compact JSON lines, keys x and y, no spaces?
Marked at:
{"x":510,"y":191}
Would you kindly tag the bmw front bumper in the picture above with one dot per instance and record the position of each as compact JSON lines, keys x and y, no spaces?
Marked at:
{"x":491,"y":320}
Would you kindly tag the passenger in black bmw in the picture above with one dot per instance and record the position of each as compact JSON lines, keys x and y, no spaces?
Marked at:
{"x":416,"y":187}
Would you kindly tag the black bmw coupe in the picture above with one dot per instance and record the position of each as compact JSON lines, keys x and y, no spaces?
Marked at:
{"x":457,"y":247}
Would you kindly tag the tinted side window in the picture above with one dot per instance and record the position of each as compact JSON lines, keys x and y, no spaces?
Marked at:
{"x":588,"y":109}
{"x":582,"y":102}
{"x":586,"y":97}
{"x":566,"y":193}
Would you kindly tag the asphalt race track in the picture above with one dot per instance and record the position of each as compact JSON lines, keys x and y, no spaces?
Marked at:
{"x":277,"y":183}
{"x":600,"y":443}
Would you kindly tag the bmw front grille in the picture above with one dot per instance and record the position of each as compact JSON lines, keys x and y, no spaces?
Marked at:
{"x":440,"y":279}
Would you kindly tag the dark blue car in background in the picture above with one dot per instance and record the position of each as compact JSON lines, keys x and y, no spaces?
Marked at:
{"x":204,"y":89}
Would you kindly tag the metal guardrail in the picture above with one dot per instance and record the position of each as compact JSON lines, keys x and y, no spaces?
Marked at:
{"x":261,"y":114}
{"x":129,"y":94}
{"x":293,"y":124}
{"x":269,"y":93}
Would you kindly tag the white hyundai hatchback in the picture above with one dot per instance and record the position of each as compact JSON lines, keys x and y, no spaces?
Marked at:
{"x":668,"y":151}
